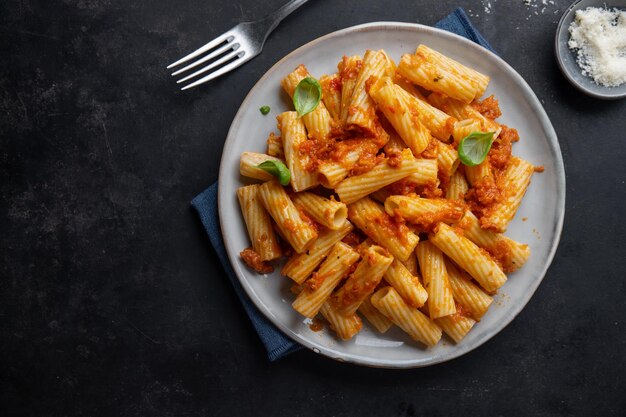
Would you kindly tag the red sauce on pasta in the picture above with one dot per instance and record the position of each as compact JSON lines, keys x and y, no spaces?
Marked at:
{"x":489,"y":107}
{"x":431,"y":150}
{"x":316,"y":325}
{"x":253,"y":260}
{"x":336,"y":84}
{"x":501,"y":253}
{"x":392,"y":227}
{"x":315,"y":281}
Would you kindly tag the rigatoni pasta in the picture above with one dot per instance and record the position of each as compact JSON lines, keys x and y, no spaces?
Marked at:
{"x":406,"y":284}
{"x":435,"y":276}
{"x":361,"y":108}
{"x":249,"y":165}
{"x":328,"y":213}
{"x":258,"y":222}
{"x":318,"y":288}
{"x":372,"y":219}
{"x":345,"y":326}
{"x":375,"y":317}
{"x":469,"y":257}
{"x":465,"y":292}
{"x":278,"y":204}
{"x":354,"y":188}
{"x":384,"y":143}
{"x":318,"y":122}
{"x":302,"y":264}
{"x":515,"y":181}
{"x":294,"y":136}
{"x":331,"y":94}
{"x":363,"y":280}
{"x":409,"y":319}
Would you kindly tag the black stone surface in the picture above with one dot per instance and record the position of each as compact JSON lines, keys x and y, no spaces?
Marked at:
{"x":112,"y":301}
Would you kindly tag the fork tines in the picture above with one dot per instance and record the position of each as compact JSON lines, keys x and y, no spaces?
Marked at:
{"x":224,"y":53}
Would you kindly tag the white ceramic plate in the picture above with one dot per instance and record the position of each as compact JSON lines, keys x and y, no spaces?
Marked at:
{"x":543,"y":206}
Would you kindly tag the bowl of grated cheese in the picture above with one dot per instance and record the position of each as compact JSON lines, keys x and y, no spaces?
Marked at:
{"x":590,"y":47}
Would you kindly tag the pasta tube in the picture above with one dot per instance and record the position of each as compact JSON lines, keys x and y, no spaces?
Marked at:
{"x":440,"y":299}
{"x":331,"y":173}
{"x":275,"y":146}
{"x":447,"y":159}
{"x":469,"y":295}
{"x":300,"y":265}
{"x":363,"y":280}
{"x":406,"y":284}
{"x":515,"y":181}
{"x":298,"y":233}
{"x":509,"y":253}
{"x":439,"y":123}
{"x":375,"y":317}
{"x":370,"y":217}
{"x":469,"y":257}
{"x":329,"y":213}
{"x":395,"y":103}
{"x":480,"y":172}
{"x":294,"y":135}
{"x":426,"y":173}
{"x":345,"y":326}
{"x":362,"y":110}
{"x":317,"y":122}
{"x":462,"y":128}
{"x":318,"y":288}
{"x":248,"y":163}
{"x":425,"y":74}
{"x":349,"y":69}
{"x":463,"y":111}
{"x":456,"y":326}
{"x":457,"y":187}
{"x":424,"y":211}
{"x":331,"y":94}
{"x":258,"y":222}
{"x":354,"y":188}
{"x":409,"y":319}
{"x":478,"y":80}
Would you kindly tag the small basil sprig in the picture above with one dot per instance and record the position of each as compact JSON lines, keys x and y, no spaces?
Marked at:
{"x":473,"y":148}
{"x":307,"y":96}
{"x":264,"y":110}
{"x":277,"y":169}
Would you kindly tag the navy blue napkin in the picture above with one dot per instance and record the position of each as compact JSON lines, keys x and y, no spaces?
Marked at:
{"x":276,"y":343}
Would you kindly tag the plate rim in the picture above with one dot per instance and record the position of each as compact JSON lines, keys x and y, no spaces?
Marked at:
{"x":553,"y":145}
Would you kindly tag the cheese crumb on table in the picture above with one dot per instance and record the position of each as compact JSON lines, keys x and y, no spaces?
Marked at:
{"x":599,"y":38}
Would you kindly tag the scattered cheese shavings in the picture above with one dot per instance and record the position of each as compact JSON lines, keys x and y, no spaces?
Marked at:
{"x":599,"y":38}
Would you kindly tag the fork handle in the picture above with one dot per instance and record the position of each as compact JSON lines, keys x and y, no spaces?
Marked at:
{"x":275,"y":18}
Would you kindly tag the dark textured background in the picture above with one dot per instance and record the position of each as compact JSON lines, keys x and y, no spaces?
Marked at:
{"x":112,"y":301}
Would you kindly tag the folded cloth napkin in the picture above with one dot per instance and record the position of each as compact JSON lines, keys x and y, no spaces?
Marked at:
{"x":276,"y":343}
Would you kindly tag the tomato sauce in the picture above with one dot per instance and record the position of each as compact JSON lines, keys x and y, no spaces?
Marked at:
{"x":316,"y":325}
{"x":253,"y":260}
{"x":431,"y":150}
{"x":501,"y":253}
{"x":489,"y":107}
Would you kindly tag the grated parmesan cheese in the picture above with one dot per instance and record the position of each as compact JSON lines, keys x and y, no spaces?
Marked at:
{"x":599,"y":38}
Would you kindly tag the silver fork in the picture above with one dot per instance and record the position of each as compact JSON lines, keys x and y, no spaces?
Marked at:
{"x":232,"y":48}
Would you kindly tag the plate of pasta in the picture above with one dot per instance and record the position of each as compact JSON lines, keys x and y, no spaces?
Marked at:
{"x":397,"y":200}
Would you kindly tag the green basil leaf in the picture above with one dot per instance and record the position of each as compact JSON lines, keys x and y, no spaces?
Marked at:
{"x":473,"y":148}
{"x":264,"y":110}
{"x":307,"y":96}
{"x":277,"y":169}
